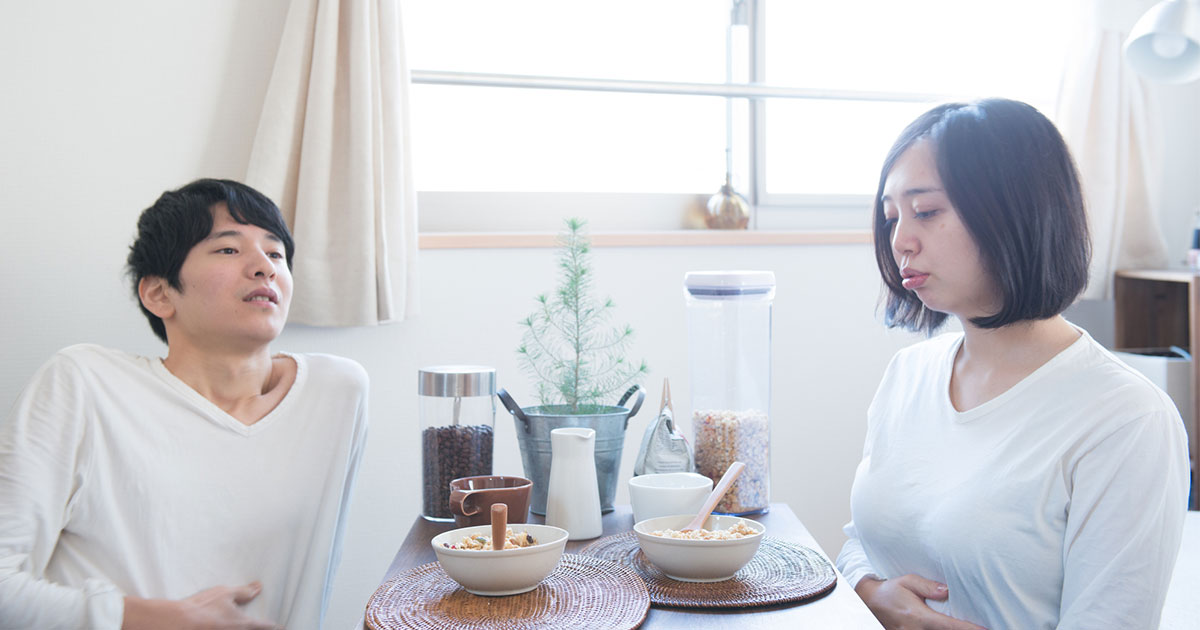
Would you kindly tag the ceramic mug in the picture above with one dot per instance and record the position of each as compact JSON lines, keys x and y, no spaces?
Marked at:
{"x":667,"y":494}
{"x":471,"y":498}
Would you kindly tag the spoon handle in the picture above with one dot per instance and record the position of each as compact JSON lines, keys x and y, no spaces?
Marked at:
{"x":499,"y":525}
{"x":731,"y":474}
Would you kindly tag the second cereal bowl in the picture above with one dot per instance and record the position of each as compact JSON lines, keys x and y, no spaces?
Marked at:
{"x":698,"y":560}
{"x":504,"y":572}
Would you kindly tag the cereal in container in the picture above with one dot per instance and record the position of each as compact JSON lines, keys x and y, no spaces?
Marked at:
{"x":729,"y":356}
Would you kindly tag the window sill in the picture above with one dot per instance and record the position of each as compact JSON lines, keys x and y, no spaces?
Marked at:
{"x":672,"y":238}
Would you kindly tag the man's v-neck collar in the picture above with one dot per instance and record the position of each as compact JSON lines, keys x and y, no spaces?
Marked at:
{"x":221,"y":417}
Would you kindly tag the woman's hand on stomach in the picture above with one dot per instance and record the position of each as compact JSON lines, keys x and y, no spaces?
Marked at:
{"x":899,"y":603}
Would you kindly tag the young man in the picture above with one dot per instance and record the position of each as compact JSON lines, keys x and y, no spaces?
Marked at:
{"x":205,"y":489}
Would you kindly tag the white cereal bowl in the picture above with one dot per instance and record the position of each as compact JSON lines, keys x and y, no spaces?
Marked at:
{"x":698,"y":560}
{"x":504,"y":572}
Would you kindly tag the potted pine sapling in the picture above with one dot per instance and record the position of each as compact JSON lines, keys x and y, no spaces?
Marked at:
{"x":577,"y":360}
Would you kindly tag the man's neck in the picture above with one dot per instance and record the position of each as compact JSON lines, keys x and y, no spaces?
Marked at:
{"x":231,"y":380}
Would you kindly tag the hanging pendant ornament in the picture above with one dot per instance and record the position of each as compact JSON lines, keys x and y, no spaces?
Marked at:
{"x":727,"y":210}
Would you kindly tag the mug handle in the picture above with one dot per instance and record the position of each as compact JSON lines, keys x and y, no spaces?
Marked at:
{"x":458,"y":499}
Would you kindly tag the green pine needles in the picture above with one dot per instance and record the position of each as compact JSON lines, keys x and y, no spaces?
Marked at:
{"x":567,"y":347}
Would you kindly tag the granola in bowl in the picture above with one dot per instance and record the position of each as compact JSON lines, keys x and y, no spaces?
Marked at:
{"x":483,"y":542}
{"x":739,"y":530}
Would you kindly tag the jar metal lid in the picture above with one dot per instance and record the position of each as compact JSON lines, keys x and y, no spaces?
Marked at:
{"x":456,"y":380}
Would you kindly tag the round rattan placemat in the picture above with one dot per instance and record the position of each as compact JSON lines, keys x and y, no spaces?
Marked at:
{"x":781,"y":572}
{"x":583,"y":592}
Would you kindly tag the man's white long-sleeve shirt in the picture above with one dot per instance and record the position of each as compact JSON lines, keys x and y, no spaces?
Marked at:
{"x":117,"y":478}
{"x":1058,"y":504}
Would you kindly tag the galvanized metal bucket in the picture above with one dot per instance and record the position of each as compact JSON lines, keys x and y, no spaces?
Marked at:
{"x":533,"y":435}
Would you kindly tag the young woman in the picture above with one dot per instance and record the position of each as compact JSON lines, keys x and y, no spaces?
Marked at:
{"x":1016,"y":474}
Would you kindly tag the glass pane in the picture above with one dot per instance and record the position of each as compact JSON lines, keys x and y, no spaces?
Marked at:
{"x":675,"y":40}
{"x":1012,"y":49}
{"x":962,"y":49}
{"x":831,"y":147}
{"x":495,"y":139}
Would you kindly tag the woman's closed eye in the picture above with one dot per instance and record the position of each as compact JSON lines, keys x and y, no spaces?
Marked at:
{"x":925,"y":214}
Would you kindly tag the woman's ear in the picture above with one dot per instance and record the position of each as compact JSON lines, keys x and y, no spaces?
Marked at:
{"x":153,"y":292}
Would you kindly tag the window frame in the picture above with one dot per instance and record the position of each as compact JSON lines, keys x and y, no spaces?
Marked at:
{"x":778,"y":211}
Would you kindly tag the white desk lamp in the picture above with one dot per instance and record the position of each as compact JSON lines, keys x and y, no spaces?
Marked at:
{"x":1164,"y":45}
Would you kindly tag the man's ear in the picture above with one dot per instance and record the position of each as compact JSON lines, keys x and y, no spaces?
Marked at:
{"x":153,"y":292}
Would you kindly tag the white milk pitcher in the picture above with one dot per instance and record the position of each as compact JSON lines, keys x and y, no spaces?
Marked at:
{"x":573,"y":496}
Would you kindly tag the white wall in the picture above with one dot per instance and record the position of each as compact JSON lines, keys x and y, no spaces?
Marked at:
{"x":107,"y":104}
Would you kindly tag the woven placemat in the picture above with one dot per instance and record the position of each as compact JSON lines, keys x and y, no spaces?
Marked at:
{"x":781,"y":572}
{"x":583,"y":592}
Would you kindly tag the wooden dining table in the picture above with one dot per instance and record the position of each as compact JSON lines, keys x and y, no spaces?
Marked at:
{"x":841,"y":608}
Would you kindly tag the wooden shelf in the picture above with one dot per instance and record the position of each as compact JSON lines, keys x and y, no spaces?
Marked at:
{"x":1158,"y":308}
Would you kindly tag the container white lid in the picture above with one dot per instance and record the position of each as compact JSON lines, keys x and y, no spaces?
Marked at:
{"x":729,"y":282}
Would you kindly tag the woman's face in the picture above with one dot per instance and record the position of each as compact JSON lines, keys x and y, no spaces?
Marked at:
{"x":936,"y":256}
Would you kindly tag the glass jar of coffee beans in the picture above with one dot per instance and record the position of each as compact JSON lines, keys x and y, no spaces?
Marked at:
{"x":458,"y":419}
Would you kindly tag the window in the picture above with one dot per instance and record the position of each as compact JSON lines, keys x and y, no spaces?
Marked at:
{"x":621,"y":111}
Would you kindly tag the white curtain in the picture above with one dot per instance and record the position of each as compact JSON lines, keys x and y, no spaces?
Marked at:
{"x":1103,"y":112}
{"x":332,"y":151}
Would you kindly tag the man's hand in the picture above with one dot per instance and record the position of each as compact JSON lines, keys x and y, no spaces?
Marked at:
{"x":899,"y":603}
{"x":216,"y":608}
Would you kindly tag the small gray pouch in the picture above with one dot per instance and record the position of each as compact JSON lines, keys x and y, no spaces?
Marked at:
{"x":663,"y":448}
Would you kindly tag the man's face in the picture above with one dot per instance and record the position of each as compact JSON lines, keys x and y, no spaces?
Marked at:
{"x":235,"y":288}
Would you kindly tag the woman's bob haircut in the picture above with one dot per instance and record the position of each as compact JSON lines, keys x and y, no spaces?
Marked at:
{"x":1008,"y":173}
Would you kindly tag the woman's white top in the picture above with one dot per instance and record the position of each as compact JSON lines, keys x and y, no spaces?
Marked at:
{"x":1057,"y":504}
{"x":117,"y":478}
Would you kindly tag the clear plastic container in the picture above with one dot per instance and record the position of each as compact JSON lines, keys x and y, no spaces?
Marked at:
{"x":458,"y":420}
{"x":729,"y":356}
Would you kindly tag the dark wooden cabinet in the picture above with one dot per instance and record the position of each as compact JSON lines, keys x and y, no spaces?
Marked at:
{"x":1159,"y":308}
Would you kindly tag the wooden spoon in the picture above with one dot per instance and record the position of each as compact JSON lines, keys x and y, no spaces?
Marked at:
{"x":731,"y":474}
{"x":499,"y":525}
